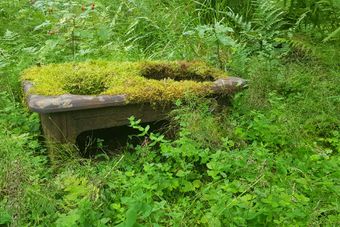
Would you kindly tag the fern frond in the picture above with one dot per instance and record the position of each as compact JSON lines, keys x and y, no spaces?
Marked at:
{"x":332,"y":35}
{"x":267,"y":16}
{"x":301,"y":46}
{"x":239,"y":21}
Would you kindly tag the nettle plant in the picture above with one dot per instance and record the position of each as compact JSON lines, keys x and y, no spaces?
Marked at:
{"x":72,"y":28}
{"x":217,"y":35}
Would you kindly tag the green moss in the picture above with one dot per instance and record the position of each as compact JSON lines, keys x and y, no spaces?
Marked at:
{"x":146,"y":81}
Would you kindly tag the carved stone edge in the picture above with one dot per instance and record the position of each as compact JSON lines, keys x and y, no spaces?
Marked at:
{"x":229,"y":85}
{"x":62,"y":103}
{"x":68,"y":102}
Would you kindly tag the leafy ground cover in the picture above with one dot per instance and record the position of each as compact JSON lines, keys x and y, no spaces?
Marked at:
{"x":270,"y":158}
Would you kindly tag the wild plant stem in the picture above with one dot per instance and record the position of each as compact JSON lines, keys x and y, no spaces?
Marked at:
{"x":73,"y":39}
{"x":218,"y":50}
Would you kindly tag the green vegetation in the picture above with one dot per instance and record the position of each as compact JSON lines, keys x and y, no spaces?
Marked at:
{"x":271,"y":158}
{"x":144,"y":81}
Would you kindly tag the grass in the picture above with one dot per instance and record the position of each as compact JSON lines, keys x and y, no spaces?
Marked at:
{"x":271,"y":157}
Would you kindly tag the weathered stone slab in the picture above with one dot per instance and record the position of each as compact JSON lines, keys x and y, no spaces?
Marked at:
{"x":64,"y":117}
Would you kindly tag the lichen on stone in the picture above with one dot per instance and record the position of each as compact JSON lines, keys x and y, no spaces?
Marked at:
{"x":144,"y":81}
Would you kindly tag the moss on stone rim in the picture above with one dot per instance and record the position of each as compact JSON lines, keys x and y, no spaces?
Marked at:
{"x":144,"y":81}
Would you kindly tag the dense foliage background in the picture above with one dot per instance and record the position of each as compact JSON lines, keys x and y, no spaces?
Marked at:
{"x":271,"y":158}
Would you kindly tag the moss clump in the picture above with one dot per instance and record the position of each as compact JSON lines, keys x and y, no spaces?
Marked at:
{"x":85,"y":84}
{"x":146,"y":81}
{"x":180,"y":70}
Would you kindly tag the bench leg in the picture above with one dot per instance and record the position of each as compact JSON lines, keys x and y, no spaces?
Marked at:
{"x":58,"y":128}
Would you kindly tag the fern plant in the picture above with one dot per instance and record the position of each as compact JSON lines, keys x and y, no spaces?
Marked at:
{"x":267,"y":16}
{"x":322,"y":14}
{"x":265,"y":26}
{"x":215,"y":9}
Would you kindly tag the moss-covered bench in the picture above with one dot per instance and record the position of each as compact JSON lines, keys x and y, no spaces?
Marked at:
{"x":75,"y":97}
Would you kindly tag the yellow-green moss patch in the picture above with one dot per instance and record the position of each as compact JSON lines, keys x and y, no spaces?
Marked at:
{"x":146,"y":81}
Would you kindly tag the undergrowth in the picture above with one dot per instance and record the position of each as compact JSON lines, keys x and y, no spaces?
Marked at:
{"x":268,"y":158}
